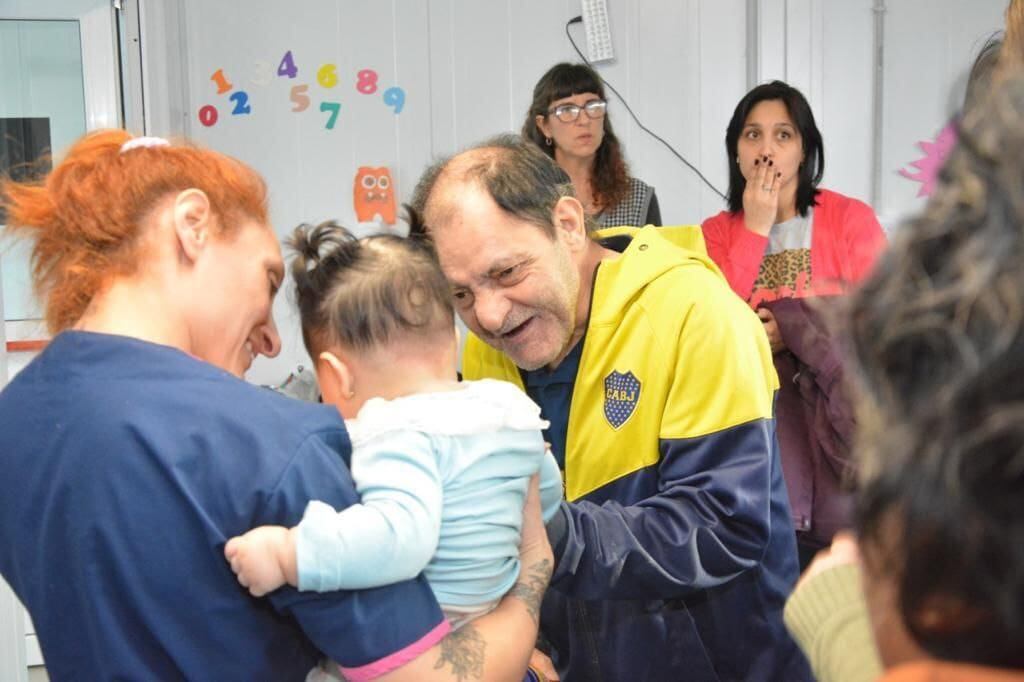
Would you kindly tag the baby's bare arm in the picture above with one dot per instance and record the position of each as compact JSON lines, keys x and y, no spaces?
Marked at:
{"x":264,"y":559}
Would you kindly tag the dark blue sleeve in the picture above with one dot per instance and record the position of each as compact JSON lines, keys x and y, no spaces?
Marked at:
{"x":708,"y":523}
{"x":360,"y":628}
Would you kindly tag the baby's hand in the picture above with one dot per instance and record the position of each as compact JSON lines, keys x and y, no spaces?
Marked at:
{"x":263,"y":559}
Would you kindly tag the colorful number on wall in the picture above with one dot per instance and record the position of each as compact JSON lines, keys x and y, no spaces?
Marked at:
{"x":221,"y":80}
{"x":208,"y":115}
{"x":300,"y":98}
{"x":241,"y":100}
{"x":394,"y":97}
{"x":287,"y":66}
{"x":327,"y":76}
{"x":366,"y":83}
{"x":334,"y":108}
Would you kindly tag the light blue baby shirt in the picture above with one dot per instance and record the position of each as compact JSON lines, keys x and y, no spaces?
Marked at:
{"x":443,"y":478}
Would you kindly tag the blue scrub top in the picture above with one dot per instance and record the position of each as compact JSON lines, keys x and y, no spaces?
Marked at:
{"x":126,"y":468}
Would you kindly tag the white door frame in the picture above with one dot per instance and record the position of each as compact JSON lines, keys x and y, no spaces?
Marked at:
{"x":102,"y":90}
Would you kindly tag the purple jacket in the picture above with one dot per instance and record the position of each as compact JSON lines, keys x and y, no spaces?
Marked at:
{"x":814,"y":418}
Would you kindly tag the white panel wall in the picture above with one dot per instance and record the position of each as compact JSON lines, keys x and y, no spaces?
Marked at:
{"x":487,"y":56}
{"x":930,"y":47}
{"x":825,"y":48}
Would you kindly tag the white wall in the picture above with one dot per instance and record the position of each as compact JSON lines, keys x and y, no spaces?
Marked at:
{"x":487,"y":56}
{"x":930,"y":48}
{"x":469,"y":67}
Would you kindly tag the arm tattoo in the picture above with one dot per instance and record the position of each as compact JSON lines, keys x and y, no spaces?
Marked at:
{"x":463,"y":650}
{"x":530,"y":587}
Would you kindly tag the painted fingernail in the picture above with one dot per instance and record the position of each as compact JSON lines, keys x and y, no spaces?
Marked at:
{"x":771,"y":163}
{"x":757,"y":161}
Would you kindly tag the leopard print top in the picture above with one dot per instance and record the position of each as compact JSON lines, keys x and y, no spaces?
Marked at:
{"x":784,"y":269}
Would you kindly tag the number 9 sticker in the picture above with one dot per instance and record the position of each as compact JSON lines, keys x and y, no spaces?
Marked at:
{"x":395,"y":98}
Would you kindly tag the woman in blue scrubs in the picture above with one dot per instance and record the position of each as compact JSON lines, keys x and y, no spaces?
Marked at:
{"x":132,"y":449}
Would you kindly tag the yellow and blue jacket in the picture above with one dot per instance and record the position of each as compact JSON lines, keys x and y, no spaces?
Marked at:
{"x":676,"y":550}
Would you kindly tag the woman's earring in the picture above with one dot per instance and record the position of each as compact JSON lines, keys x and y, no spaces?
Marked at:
{"x":547,"y":141}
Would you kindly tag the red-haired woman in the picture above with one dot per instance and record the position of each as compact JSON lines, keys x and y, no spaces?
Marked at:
{"x":132,"y":449}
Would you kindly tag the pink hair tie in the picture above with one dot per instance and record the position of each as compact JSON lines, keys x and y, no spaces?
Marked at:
{"x":139,"y":142}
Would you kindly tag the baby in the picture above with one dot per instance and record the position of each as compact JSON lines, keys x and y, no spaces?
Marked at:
{"x":442,"y":466}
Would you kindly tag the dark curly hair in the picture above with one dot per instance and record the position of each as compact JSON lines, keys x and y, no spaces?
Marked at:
{"x":937,"y":340}
{"x":364,"y":293}
{"x":610,"y":177}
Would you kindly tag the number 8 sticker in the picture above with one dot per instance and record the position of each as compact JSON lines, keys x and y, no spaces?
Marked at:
{"x":367,"y":81}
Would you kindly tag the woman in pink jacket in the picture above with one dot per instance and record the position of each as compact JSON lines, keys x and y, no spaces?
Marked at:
{"x":782,"y":236}
{"x":784,"y":240}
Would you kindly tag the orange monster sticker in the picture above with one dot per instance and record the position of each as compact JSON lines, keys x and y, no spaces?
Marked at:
{"x":374,"y":194}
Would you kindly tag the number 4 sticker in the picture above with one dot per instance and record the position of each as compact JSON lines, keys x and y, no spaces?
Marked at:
{"x":287,"y":66}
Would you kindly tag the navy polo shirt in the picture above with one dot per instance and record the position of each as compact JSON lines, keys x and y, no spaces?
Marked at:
{"x":552,"y":390}
{"x":126,"y":468}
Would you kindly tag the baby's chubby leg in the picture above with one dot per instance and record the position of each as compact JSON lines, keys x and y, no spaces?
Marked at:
{"x":264,"y":558}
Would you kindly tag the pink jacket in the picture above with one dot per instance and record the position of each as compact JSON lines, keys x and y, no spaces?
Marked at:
{"x":845,"y":241}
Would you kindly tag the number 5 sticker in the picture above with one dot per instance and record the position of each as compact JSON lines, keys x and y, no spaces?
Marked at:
{"x":300,"y":98}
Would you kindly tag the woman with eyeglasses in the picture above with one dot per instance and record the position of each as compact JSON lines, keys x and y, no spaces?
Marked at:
{"x":786,"y":246}
{"x":568,"y":120}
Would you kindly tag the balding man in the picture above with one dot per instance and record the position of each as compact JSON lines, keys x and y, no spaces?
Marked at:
{"x":675,"y":551}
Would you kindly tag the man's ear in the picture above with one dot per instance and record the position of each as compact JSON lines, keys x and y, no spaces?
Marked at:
{"x":193,"y":222}
{"x":335,"y":378}
{"x":570,"y":222}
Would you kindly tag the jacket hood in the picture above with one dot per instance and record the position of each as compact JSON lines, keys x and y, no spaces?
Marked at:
{"x":652,"y":251}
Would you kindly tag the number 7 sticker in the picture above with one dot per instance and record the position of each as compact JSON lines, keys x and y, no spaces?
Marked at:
{"x":334,"y":108}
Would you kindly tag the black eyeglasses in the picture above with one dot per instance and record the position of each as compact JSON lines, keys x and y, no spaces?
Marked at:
{"x":567,"y":113}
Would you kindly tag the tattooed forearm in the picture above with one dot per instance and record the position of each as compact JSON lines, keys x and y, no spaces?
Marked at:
{"x":463,"y":650}
{"x":531,"y":585}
